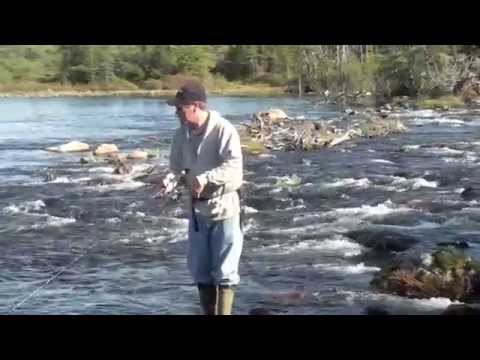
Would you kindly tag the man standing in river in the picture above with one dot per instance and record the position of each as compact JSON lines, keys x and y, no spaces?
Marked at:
{"x":206,"y":149}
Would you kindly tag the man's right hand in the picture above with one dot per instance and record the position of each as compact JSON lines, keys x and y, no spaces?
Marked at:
{"x":166,"y":186}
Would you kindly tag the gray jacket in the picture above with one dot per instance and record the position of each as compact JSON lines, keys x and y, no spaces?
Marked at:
{"x":217,"y":164}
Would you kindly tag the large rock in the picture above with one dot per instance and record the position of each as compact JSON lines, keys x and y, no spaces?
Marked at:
{"x":138,"y":155}
{"x":272,"y":116}
{"x":462,"y":309}
{"x":382,"y":240}
{"x":446,"y":273}
{"x":106,"y":149}
{"x":470,"y":193}
{"x":72,"y":146}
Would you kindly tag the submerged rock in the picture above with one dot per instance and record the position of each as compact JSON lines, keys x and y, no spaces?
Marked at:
{"x":470,"y":193}
{"x":462,"y":309}
{"x":447,"y":273}
{"x":382,"y":240}
{"x":375,"y":310}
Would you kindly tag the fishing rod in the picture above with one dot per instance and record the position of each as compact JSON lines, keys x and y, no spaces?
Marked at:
{"x":49,"y":280}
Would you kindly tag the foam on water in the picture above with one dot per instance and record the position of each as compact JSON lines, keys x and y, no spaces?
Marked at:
{"x":423,"y":113}
{"x":24,"y":208}
{"x":366,"y":211}
{"x":114,"y":220}
{"x":127,"y":185}
{"x":444,"y":151}
{"x":398,"y":303}
{"x":53,"y":221}
{"x":67,"y":180}
{"x":249,"y":210}
{"x":403,"y":184}
{"x":336,"y":246}
{"x":347,"y":269}
{"x":382,"y":161}
{"x":363,"y":182}
{"x":442,"y":121}
{"x":102,"y":169}
{"x":411,"y":147}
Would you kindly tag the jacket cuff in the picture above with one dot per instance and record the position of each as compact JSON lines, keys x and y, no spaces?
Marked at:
{"x":202,"y":179}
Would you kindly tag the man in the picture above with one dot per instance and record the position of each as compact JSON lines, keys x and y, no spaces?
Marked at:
{"x":206,"y":149}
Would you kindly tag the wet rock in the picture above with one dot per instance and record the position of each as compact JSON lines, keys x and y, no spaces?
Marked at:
{"x":470,"y":193}
{"x":138,"y":155}
{"x":376,"y":310}
{"x":105,"y":149}
{"x":382,"y":240}
{"x":462,"y":309}
{"x":447,"y":273}
{"x":459,"y":244}
{"x":53,"y":202}
{"x":122,"y":168}
{"x":260,"y":311}
{"x":73,"y":146}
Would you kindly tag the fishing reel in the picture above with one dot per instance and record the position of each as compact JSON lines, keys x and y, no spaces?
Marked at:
{"x":169,"y":186}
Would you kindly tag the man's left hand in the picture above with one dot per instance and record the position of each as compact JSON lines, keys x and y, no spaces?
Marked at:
{"x":197,"y":188}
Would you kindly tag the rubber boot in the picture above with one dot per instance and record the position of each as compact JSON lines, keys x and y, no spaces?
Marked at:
{"x":226,"y":295}
{"x":208,"y":298}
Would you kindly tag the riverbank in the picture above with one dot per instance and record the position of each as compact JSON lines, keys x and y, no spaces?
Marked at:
{"x":83,"y":91}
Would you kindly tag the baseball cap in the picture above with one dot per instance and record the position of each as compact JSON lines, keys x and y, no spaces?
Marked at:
{"x":190,"y":92}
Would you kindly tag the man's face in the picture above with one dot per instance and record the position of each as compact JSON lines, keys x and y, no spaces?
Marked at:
{"x":187,"y":114}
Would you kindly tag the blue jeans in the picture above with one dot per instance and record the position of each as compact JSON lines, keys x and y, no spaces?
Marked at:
{"x":214,"y":251}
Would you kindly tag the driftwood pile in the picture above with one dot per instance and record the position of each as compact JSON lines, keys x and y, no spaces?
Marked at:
{"x":274,"y":130}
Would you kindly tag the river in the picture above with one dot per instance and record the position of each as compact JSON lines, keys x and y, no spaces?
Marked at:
{"x":73,"y":246}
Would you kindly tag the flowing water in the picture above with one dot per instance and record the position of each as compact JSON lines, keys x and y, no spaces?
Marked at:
{"x":71,"y":244}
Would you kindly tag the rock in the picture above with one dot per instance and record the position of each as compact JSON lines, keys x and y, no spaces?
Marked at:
{"x":462,"y":309}
{"x":84,"y":160}
{"x":470,"y":193}
{"x":382,"y":240}
{"x":376,"y":310}
{"x":260,"y":311}
{"x":460,"y":244}
{"x":138,"y":155}
{"x":105,"y":149}
{"x":122,"y":168}
{"x":350,"y":112}
{"x":388,"y":107}
{"x":448,"y":273}
{"x":273,"y":115}
{"x":73,"y":146}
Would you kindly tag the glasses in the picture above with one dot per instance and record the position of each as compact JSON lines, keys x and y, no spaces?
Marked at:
{"x":183,"y":108}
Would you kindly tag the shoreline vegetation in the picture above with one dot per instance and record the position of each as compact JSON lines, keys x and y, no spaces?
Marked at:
{"x":422,"y":76}
{"x":39,"y":90}
{"x":49,"y":90}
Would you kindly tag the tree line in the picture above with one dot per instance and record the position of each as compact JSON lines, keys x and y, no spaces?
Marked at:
{"x":386,"y":70}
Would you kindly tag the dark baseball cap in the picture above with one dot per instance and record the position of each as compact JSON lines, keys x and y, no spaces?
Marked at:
{"x":190,"y":92}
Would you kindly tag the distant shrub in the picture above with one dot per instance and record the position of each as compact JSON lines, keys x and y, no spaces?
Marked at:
{"x":442,"y":102}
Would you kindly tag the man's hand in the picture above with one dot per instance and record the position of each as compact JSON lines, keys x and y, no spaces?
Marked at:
{"x":167,"y":185}
{"x":197,"y":188}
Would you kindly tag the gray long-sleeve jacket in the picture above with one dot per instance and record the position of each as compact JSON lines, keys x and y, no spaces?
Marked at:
{"x":217,"y":163}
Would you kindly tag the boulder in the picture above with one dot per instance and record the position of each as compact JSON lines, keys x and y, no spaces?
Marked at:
{"x":272,"y":115}
{"x":462,"y":309}
{"x":446,"y":273}
{"x":382,"y":240}
{"x":73,"y":146}
{"x":470,"y":193}
{"x":106,"y":149}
